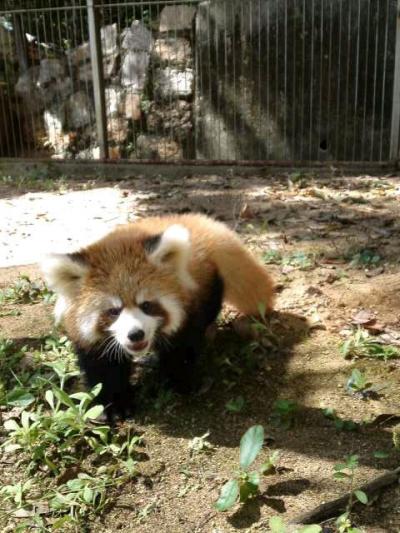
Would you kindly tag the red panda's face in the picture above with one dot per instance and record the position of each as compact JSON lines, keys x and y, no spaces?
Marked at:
{"x":123,"y":291}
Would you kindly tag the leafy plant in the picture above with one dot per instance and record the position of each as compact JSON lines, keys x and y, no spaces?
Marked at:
{"x":346,"y":471}
{"x":358,"y":384}
{"x":277,"y":525}
{"x":245,"y":484}
{"x":340,"y":423}
{"x":235,"y":405}
{"x":361,"y":344}
{"x":299,"y":259}
{"x":200,"y":444}
{"x":365,"y":258}
{"x":24,"y":291}
{"x":284,"y":413}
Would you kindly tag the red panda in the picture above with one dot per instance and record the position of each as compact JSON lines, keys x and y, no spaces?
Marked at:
{"x":152,"y":285}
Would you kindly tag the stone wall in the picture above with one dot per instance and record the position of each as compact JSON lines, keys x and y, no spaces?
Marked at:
{"x":148,"y":75}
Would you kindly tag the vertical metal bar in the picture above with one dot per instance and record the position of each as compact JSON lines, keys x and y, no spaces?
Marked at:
{"x":366,"y":80}
{"x":355,"y":114}
{"x":338,"y":84}
{"x":285,"y":97}
{"x":294,"y":80}
{"x":303,"y":77}
{"x":260,"y":156}
{"x":346,"y":98}
{"x":321,"y":75}
{"x":268,"y":77}
{"x":384,"y":79}
{"x":311,"y":81}
{"x":371,"y":156}
{"x":98,"y":78}
{"x":395,"y":128}
{"x":328,"y":119}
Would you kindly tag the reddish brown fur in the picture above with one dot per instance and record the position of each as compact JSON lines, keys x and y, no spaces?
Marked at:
{"x":119,"y":266}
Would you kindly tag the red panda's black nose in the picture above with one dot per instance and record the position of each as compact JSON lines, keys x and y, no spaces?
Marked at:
{"x":136,"y":335}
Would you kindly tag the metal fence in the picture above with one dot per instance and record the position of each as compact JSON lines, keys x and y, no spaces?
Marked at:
{"x":200,"y":80}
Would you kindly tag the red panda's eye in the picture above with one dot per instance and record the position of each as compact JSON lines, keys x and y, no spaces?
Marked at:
{"x":114,"y":311}
{"x":150,"y":308}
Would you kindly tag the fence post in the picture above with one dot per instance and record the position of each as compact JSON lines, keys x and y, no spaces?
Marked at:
{"x":395,"y":129}
{"x":96,"y":58}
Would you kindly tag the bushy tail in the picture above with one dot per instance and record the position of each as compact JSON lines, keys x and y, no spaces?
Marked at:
{"x":248,"y":286}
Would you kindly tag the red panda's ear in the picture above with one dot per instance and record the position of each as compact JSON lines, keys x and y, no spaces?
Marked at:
{"x":172,"y":248}
{"x":64,"y":273}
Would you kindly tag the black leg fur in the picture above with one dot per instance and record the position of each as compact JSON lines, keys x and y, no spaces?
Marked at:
{"x":179,"y":357}
{"x":117,"y":393}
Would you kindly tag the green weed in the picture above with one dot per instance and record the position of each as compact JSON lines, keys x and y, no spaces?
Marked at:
{"x":283,"y":414}
{"x":340,"y":423}
{"x":300,"y":260}
{"x":26,"y":291}
{"x":361,"y":344}
{"x":245,"y":484}
{"x":346,"y":472}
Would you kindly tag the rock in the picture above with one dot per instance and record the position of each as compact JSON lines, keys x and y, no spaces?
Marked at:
{"x":114,"y":97}
{"x":79,"y":110}
{"x":175,"y":117}
{"x":137,"y":38}
{"x":54,"y":119}
{"x":157,"y":147}
{"x":170,"y":51}
{"x":134,"y":70}
{"x":89,"y":153}
{"x":175,"y":18}
{"x":108,"y":36}
{"x":117,"y":130}
{"x":132,"y":109}
{"x":26,"y":86}
{"x":170,"y":82}
{"x":79,"y":58}
{"x":52,"y":82}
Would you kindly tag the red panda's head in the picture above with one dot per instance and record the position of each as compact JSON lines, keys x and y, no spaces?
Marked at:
{"x":123,"y":290}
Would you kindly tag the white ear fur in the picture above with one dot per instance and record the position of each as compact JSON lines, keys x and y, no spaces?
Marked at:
{"x":174,"y":247}
{"x":63,"y":274}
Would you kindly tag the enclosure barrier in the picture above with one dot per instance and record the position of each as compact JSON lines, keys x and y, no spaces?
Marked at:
{"x":216,"y":80}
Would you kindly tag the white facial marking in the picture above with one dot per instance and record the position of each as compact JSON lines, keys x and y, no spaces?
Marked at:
{"x":59,"y":309}
{"x":88,"y":325}
{"x":134,"y":319}
{"x":175,"y":312}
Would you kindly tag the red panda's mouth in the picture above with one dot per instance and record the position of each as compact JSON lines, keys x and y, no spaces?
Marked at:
{"x":139,"y":346}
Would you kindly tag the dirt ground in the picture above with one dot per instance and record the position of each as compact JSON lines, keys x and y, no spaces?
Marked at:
{"x":333,"y":247}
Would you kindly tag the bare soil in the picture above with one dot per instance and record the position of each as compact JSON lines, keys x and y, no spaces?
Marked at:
{"x":322,"y":225}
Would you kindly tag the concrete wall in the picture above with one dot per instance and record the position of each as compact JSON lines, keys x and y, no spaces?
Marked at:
{"x":294,"y":79}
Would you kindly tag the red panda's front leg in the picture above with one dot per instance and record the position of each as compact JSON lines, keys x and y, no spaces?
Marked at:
{"x":116,"y":394}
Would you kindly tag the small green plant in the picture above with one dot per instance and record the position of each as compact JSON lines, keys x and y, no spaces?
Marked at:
{"x":301,"y":260}
{"x":245,"y":484}
{"x":200,"y":444}
{"x":235,"y":405}
{"x":340,"y":423}
{"x":346,"y":471}
{"x":358,"y":384}
{"x":284,"y":412}
{"x":365,"y":259}
{"x":277,"y":525}
{"x":26,"y":291}
{"x":361,"y":344}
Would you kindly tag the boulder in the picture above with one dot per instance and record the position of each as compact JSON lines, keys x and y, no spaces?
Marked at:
{"x":134,"y":70}
{"x":176,"y":52}
{"x":175,"y":117}
{"x":157,"y":148}
{"x":175,"y":18}
{"x":173,"y":83}
{"x":114,"y":97}
{"x":108,"y":36}
{"x":79,"y":110}
{"x":27,"y":88}
{"x":52,"y":82}
{"x":89,"y":153}
{"x":117,"y":130}
{"x":54,"y":120}
{"x":137,"y":38}
{"x":132,"y":108}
